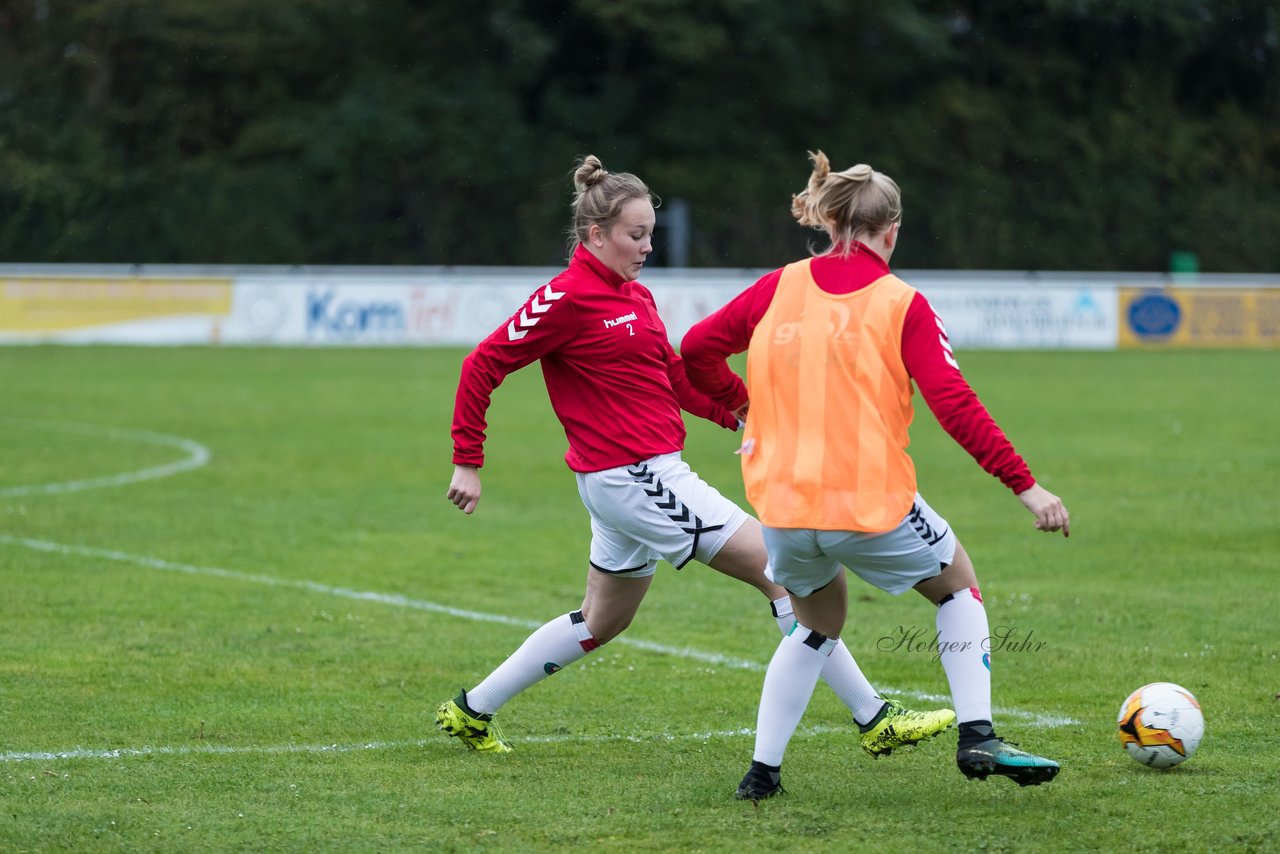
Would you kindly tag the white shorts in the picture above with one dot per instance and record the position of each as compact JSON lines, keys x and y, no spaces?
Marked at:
{"x":656,"y":508}
{"x":804,"y":560}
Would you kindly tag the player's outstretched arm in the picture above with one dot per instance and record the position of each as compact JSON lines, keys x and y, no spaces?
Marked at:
{"x":1051,"y":514}
{"x":464,"y":488}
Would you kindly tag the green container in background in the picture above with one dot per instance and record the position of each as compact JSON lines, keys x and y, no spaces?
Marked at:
{"x":1184,"y":262}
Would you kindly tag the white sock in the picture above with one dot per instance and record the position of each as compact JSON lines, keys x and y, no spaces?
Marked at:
{"x":962,"y":641}
{"x":556,"y":645}
{"x":788,"y":685}
{"x":841,"y":672}
{"x":783,"y":613}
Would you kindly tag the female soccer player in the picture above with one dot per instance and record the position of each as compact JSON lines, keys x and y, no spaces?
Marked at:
{"x":618,"y":387}
{"x":833,"y":344}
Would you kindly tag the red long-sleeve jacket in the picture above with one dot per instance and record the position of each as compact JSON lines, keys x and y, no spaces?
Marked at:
{"x":926,"y":353}
{"x":614,"y":380}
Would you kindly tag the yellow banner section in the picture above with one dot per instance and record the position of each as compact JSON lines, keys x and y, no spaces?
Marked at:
{"x":46,"y":304}
{"x":1200,"y":317}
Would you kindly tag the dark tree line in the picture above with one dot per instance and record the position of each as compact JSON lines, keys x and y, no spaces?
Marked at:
{"x":1026,"y":134}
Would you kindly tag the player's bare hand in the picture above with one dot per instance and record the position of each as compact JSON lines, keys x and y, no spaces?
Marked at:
{"x":464,"y":488}
{"x":741,"y":412}
{"x":1051,"y":514}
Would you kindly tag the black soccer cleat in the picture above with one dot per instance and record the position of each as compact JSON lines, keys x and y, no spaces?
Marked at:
{"x":762,"y":781}
{"x":992,"y":756}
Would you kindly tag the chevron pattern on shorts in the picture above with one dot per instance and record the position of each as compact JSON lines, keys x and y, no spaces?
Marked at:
{"x":922,"y":526}
{"x":677,"y":511}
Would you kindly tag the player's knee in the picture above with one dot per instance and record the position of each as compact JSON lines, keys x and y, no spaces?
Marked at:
{"x":608,"y":629}
{"x":605,"y":624}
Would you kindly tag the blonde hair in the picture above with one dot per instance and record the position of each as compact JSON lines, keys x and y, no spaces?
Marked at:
{"x":847,"y":205}
{"x":599,"y":197}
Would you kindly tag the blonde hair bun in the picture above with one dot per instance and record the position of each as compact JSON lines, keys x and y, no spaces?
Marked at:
{"x":589,"y":173}
{"x":858,"y":202}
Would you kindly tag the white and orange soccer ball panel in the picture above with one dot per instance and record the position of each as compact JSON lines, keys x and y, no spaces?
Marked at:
{"x":1160,"y":724}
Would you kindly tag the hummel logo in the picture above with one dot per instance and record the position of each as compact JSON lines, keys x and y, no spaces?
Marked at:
{"x":609,"y":324}
{"x":532,"y":313}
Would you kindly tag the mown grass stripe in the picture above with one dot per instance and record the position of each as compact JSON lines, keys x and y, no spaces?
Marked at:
{"x":397,"y":600}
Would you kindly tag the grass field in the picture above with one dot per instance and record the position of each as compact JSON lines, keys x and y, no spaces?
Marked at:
{"x":233,"y":594}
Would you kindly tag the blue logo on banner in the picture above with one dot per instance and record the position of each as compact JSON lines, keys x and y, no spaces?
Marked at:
{"x":1154,"y":315}
{"x":350,"y":318}
{"x":1086,"y":303}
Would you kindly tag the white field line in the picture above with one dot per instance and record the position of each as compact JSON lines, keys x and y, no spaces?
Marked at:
{"x":359,"y":595}
{"x":397,"y":600}
{"x":284,"y":749}
{"x":197,"y":455}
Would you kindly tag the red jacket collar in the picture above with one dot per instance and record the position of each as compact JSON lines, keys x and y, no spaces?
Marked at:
{"x":582,"y":256}
{"x":860,"y":258}
{"x":860,"y":248}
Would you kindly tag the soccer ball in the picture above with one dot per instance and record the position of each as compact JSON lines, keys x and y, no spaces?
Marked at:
{"x":1161,"y":724}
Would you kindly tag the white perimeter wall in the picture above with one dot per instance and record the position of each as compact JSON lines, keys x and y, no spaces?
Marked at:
{"x":442,"y":306}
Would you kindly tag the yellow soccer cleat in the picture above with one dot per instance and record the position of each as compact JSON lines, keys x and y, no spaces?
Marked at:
{"x":897,"y":726}
{"x":476,"y":731}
